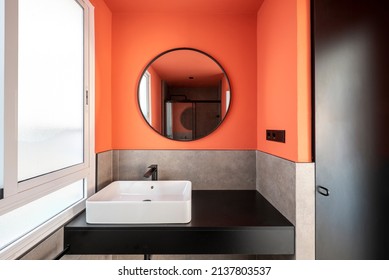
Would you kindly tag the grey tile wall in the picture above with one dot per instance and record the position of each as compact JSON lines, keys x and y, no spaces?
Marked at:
{"x":290,"y":187}
{"x":104,"y":169}
{"x":276,"y":181}
{"x":205,"y":169}
{"x":305,"y":211}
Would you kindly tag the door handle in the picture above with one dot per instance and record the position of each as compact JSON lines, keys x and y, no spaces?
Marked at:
{"x":323,"y":191}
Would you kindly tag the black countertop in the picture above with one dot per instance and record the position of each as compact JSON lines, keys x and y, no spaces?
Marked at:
{"x":223,"y":222}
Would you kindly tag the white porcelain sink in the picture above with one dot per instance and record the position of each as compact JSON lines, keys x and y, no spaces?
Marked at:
{"x":141,"y":202}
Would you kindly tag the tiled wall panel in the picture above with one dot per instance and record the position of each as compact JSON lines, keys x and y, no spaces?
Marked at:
{"x":205,"y":169}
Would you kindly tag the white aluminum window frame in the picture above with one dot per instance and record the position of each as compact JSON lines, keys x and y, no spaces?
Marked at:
{"x":17,"y":194}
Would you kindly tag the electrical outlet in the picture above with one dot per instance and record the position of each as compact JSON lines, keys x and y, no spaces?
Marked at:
{"x":275,"y":135}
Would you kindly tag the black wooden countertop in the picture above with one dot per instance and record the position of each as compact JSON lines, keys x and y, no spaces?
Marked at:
{"x":223,"y":222}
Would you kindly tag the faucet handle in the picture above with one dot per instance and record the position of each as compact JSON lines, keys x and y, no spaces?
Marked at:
{"x":153,"y":171}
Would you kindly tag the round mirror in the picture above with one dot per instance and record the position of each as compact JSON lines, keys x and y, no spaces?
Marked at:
{"x":184,"y":94}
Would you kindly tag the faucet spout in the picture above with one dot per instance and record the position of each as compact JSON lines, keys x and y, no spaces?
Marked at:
{"x":153,"y":172}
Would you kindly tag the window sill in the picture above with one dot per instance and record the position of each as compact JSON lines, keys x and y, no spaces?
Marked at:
{"x":31,"y":239}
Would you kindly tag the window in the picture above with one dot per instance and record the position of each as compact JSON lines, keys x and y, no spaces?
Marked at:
{"x":144,"y":96}
{"x":48,"y":117}
{"x":50,"y":86}
{"x":38,"y":212}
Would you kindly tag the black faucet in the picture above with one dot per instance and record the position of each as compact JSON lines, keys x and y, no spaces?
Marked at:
{"x":153,"y":172}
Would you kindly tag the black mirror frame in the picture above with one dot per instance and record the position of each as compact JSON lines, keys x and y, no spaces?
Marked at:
{"x":181,"y":49}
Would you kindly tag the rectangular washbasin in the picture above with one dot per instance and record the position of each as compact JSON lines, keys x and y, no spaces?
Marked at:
{"x":141,"y":202}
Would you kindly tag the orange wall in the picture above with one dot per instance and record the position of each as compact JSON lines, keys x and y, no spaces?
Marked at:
{"x":266,"y":57}
{"x":138,"y":38}
{"x":103,"y":43}
{"x":283,"y":77}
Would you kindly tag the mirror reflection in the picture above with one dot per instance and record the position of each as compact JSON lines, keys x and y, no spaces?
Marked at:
{"x":184,"y":94}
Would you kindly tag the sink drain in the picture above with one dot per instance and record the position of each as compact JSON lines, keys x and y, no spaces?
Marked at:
{"x":146,"y":200}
